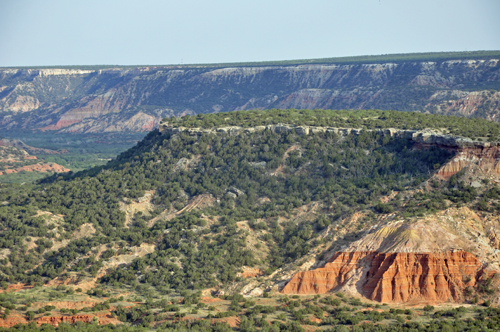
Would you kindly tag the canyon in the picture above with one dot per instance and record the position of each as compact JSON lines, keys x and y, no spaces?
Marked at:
{"x":136,"y":99}
{"x":402,"y":219}
{"x":433,"y":259}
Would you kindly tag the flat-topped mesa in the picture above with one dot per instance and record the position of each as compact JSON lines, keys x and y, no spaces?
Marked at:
{"x":421,"y":137}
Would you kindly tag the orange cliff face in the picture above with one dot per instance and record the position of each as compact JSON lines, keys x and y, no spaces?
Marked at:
{"x":484,"y":158}
{"x":393,"y":277}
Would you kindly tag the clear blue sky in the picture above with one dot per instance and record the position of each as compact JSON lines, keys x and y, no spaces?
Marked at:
{"x":86,"y":32}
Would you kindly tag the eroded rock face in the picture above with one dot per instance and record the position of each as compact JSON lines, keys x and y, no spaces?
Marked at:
{"x":56,"y":320}
{"x":421,"y":138}
{"x":393,"y":277}
{"x":481,"y":157}
{"x":95,"y":100}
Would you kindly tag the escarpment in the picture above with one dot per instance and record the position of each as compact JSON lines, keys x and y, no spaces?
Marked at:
{"x":424,"y":138}
{"x":110,"y":99}
{"x":468,"y":152}
{"x":393,"y":277}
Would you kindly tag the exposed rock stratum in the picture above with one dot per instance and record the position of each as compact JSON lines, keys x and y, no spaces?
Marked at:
{"x":393,"y":277}
{"x":120,"y":99}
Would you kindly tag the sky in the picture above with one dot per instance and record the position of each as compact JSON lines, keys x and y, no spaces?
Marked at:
{"x":150,"y":32}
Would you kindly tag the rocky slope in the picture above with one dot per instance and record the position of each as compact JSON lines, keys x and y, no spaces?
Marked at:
{"x":359,"y":216}
{"x":29,"y":149}
{"x":423,"y":138}
{"x":137,"y":99}
{"x":434,"y":259}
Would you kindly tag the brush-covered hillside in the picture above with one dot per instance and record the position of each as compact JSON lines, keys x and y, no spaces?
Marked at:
{"x":265,"y":220}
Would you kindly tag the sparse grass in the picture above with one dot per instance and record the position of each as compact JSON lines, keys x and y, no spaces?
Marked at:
{"x":312,"y":308}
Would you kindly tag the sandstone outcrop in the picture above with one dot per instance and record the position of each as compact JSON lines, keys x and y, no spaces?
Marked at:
{"x":13,"y":319}
{"x":17,"y":318}
{"x":393,"y":277}
{"x":423,"y":138}
{"x":467,"y":103}
{"x":103,"y":318}
{"x":56,"y":320}
{"x":479,"y":157}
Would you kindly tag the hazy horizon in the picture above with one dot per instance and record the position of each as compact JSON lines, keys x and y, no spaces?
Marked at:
{"x":61,"y":33}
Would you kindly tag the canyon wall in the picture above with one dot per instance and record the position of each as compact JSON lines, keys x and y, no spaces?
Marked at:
{"x":137,"y":99}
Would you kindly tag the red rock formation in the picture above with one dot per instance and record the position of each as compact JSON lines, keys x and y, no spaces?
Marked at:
{"x":60,"y":124}
{"x":452,"y":168}
{"x":42,"y":168}
{"x":18,"y":318}
{"x":56,"y":320}
{"x":103,"y":318}
{"x":332,"y":275}
{"x":484,"y":158}
{"x":13,"y":319}
{"x":251,"y":273}
{"x":393,"y":277}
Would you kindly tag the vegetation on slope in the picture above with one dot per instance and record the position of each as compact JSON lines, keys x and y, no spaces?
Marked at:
{"x":346,"y":174}
{"x":16,"y":166}
{"x":295,"y":314}
{"x":79,"y":151}
{"x":352,"y":173}
{"x":257,"y":179}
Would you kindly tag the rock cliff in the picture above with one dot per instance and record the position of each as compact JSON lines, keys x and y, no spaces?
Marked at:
{"x":484,"y":159}
{"x":423,"y":138}
{"x":393,"y":277}
{"x":137,"y":99}
{"x":436,"y":259}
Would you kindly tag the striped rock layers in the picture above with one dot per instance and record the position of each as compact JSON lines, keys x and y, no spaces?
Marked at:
{"x":393,"y":277}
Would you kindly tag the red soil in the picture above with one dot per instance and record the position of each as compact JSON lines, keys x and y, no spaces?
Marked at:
{"x":210,"y":300}
{"x":43,"y":168}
